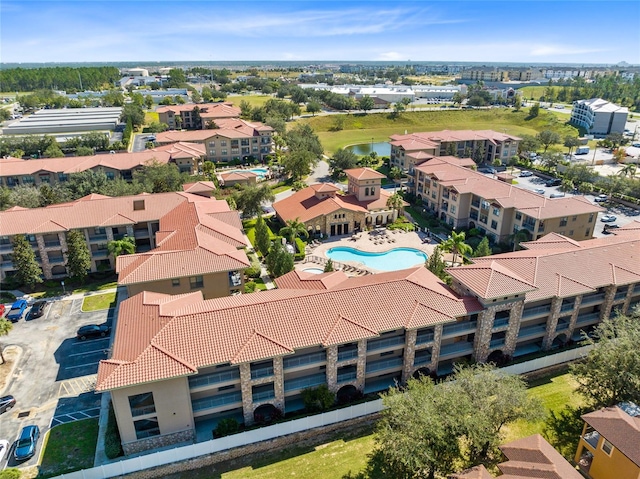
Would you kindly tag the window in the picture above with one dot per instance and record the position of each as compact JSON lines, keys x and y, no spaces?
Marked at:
{"x":607,"y":447}
{"x":212,"y":144}
{"x":574,"y":218}
{"x":146,"y":428}
{"x":518,"y":215}
{"x":563,"y":221}
{"x":496,"y":211}
{"x":366,"y":191}
{"x":223,"y":143}
{"x":494,"y":224}
{"x":453,"y":208}
{"x":175,"y":282}
{"x":138,"y":205}
{"x":588,"y":232}
{"x":483,"y":219}
{"x":590,"y":218}
{"x":196,"y":282}
{"x":373,"y":190}
{"x":570,"y":232}
{"x":142,"y":404}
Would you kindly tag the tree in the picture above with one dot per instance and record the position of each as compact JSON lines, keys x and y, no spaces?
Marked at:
{"x":297,"y":164}
{"x":262,"y":239}
{"x":615,"y":139}
{"x":395,"y":202}
{"x":302,"y":137}
{"x":28,"y":272}
{"x":534,"y":111}
{"x":78,"y":255}
{"x":455,"y":244}
{"x":528,"y":144}
{"x":53,"y":151}
{"x":551,"y":160}
{"x":5,"y":328}
{"x":571,"y":142}
{"x":84,"y":151}
{"x":517,"y":102}
{"x":250,"y":198}
{"x":611,"y":371}
{"x":177,"y":78}
{"x":483,"y":248}
{"x":26,"y":196}
{"x":366,"y":103}
{"x":148,"y":102}
{"x":548,"y":138}
{"x":328,"y":266}
{"x":395,"y":173}
{"x":313,"y":107}
{"x":629,"y":169}
{"x":317,"y":399}
{"x":278,"y":261}
{"x":619,"y":155}
{"x":437,"y":266}
{"x":86,"y":182}
{"x":342,"y":160}
{"x":126,"y":245}
{"x":133,"y":113}
{"x":294,"y":229}
{"x":398,"y":108}
{"x":160,"y":178}
{"x":338,"y":123}
{"x":457,"y":98}
{"x":196,"y":97}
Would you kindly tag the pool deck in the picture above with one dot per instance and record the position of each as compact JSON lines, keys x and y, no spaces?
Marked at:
{"x":376,"y":241}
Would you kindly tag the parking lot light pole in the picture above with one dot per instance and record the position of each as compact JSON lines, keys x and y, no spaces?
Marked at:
{"x":64,"y":290}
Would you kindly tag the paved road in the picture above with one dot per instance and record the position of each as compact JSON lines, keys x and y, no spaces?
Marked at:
{"x":55,"y":374}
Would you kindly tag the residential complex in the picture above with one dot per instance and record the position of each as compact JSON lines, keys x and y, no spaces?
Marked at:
{"x":150,"y":219}
{"x":325,"y":210}
{"x":194,"y":361}
{"x":609,"y":446}
{"x":16,"y":171}
{"x":232,"y":140}
{"x":484,"y":145}
{"x":464,"y":198}
{"x":599,"y":117}
{"x":196,"y":116}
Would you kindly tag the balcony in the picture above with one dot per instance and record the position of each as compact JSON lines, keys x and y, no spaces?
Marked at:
{"x":592,"y":438}
{"x":214,"y":378}
{"x":457,"y":329}
{"x":141,"y":233}
{"x":529,"y":226}
{"x":496,"y":343}
{"x":475,"y":204}
{"x":420,"y":359}
{"x":424,"y":338}
{"x":381,"y":365}
{"x":6,"y":247}
{"x":7,"y":265}
{"x":533,"y":331}
{"x":261,"y":373}
{"x":592,"y":299}
{"x":56,"y":259}
{"x":537,"y":311}
{"x":347,"y":377}
{"x":52,"y":244}
{"x":562,"y":325}
{"x":305,"y":359}
{"x":263,"y":396}
{"x":235,"y":279}
{"x":499,"y":323}
{"x":588,"y":318}
{"x":100,"y":253}
{"x":346,"y":355}
{"x":216,"y":401}
{"x":636,"y":289}
{"x":621,"y":295}
{"x":305,"y":382}
{"x":385,"y":343}
{"x":97,"y":238}
{"x":567,"y":307}
{"x":453,"y":350}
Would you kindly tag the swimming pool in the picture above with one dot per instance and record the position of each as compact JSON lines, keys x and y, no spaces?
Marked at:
{"x":313,"y":270}
{"x":397,"y":258}
{"x":261,"y":172}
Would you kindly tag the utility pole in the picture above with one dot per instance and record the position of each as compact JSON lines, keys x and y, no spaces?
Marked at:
{"x":80,"y":78}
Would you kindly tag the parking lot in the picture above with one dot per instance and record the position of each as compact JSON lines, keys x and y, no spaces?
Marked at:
{"x":55,"y":373}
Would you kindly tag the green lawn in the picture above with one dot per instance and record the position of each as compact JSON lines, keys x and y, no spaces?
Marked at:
{"x":253,"y":100}
{"x":536,"y":92}
{"x":98,"y":302}
{"x":379,"y":126}
{"x":69,"y":447}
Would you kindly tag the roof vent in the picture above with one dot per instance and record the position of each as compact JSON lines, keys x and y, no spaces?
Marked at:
{"x":138,"y":205}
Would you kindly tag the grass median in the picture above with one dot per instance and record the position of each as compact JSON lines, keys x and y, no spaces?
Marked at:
{"x":69,"y":447}
{"x":98,"y":302}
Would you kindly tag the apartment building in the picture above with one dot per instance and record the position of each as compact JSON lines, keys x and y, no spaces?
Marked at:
{"x":196,"y":116}
{"x":246,"y":356}
{"x":609,"y":446}
{"x":103,"y":219}
{"x":232,"y":140}
{"x":599,"y":117}
{"x":16,"y":171}
{"x":409,"y":149}
{"x":464,"y":198}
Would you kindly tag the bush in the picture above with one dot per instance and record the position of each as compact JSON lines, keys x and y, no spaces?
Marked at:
{"x":7,"y":297}
{"x":250,"y":287}
{"x":473,"y":232}
{"x":226,"y":427}
{"x":112,"y":442}
{"x":300,"y":248}
{"x":318,"y":399}
{"x":11,"y":473}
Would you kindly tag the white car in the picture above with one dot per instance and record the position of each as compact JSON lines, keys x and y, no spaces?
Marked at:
{"x":608,"y":219}
{"x":4,"y":447}
{"x":524,"y":174}
{"x":540,"y":191}
{"x":601,"y":198}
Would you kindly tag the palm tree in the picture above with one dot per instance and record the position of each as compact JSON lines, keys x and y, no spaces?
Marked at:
{"x":294,"y":229}
{"x":629,"y":169}
{"x":455,"y":244}
{"x":5,"y":327}
{"x":395,"y":174}
{"x":395,"y":202}
{"x":126,"y":245}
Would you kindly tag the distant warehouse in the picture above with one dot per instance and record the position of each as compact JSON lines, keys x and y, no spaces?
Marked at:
{"x":67,"y":120}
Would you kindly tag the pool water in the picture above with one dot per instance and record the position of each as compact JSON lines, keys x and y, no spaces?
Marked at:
{"x":314,"y":270}
{"x":397,"y":258}
{"x":261,"y":172}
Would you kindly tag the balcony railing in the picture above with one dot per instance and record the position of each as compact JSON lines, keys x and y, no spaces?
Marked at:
{"x":305,"y":382}
{"x":475,"y":204}
{"x":587,"y":318}
{"x":98,"y":238}
{"x":391,"y":363}
{"x":263,"y":396}
{"x":424,"y":359}
{"x":537,"y":311}
{"x":636,"y":289}
{"x":562,"y":325}
{"x":142,"y":233}
{"x":51,"y":244}
{"x":346,"y":355}
{"x":261,"y":373}
{"x":459,"y":348}
{"x":592,"y":299}
{"x":459,"y":328}
{"x":6,"y":247}
{"x":567,"y":307}
{"x":142,"y":410}
{"x":100,"y":253}
{"x":620,"y":295}
{"x":531,"y":331}
{"x":496,"y":343}
{"x":347,"y":377}
{"x":56,"y":259}
{"x":6,"y":265}
{"x":424,"y":338}
{"x":385,"y":343}
{"x":302,"y":360}
{"x":499,"y":323}
{"x":214,"y":378}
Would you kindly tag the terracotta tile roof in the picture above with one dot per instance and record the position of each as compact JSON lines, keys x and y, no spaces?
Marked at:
{"x":207,"y":110}
{"x":433,"y":139}
{"x":74,"y":164}
{"x":91,"y":212}
{"x":237,"y":176}
{"x":324,"y":187}
{"x":533,"y":457}
{"x":199,"y":187}
{"x":619,"y":428}
{"x":255,"y":326}
{"x":181,"y":136}
{"x":304,"y":205}
{"x":183,"y":149}
{"x":565,"y":270}
{"x":477,"y":472}
{"x":364,"y":174}
{"x":491,"y":280}
{"x":301,"y":280}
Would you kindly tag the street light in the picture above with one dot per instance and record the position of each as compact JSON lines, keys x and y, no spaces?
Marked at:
{"x":371,"y":145}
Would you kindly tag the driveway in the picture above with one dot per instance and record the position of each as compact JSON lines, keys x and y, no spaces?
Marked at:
{"x":54,"y":376}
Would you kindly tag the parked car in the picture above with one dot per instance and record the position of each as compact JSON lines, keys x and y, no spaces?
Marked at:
{"x":608,"y":218}
{"x":93,"y":331}
{"x":17,"y":310}
{"x":601,"y":198}
{"x":27,"y":441}
{"x":608,"y":227}
{"x":553,"y":182}
{"x":487,"y":170}
{"x":4,"y":447}
{"x":636,"y":145}
{"x":556,"y":195}
{"x":6,"y":403}
{"x":540,"y":191}
{"x":37,"y":309}
{"x":525,"y":174}
{"x":2,"y":309}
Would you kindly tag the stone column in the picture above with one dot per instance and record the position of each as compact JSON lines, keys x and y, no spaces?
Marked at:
{"x":409,"y":354}
{"x":278,"y":383}
{"x":332,"y":368}
{"x":574,"y":316}
{"x":130,"y":231}
{"x":361,"y":365}
{"x":483,"y":334}
{"x":247,"y":393}
{"x":605,"y":308}
{"x":435,"y":352}
{"x":44,"y":259}
{"x":627,"y":300}
{"x":552,"y":323}
{"x":515,"y":318}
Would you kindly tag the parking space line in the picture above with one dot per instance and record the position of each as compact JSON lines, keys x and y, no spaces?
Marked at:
{"x":95,"y":363}
{"x":101,"y":350}
{"x":89,"y":341}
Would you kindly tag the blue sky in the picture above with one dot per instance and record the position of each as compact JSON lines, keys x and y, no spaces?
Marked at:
{"x":234,"y":30}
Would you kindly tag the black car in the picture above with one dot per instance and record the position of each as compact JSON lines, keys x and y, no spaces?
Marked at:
{"x":93,"y":331}
{"x":6,"y":403}
{"x":37,"y":309}
{"x":553,"y":182}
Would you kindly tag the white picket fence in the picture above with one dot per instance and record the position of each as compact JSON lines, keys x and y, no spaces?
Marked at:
{"x":148,"y":461}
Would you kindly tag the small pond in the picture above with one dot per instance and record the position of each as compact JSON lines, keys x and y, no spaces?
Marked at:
{"x":382,"y":149}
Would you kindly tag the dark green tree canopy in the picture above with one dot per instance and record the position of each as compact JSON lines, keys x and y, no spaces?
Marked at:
{"x":78,"y":256}
{"x":28,"y":272}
